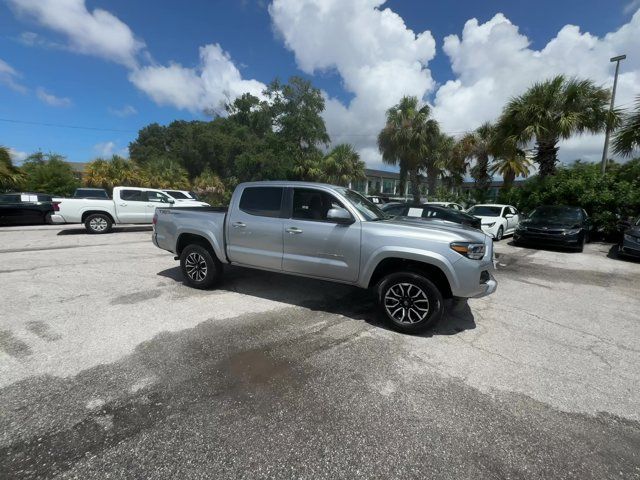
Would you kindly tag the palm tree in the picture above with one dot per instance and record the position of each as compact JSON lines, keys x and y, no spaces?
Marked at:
{"x":111,"y":173}
{"x":479,"y":145}
{"x":440,"y":161}
{"x":165,"y":172}
{"x":628,"y":137}
{"x":10,"y":176}
{"x":342,"y":165}
{"x":511,"y":163}
{"x":553,"y":110}
{"x":402,"y":140}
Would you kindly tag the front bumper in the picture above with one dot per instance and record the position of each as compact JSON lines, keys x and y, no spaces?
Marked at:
{"x":630,"y":248}
{"x":551,"y":239}
{"x":491,"y":231}
{"x":57,"y":218}
{"x":487,"y":288}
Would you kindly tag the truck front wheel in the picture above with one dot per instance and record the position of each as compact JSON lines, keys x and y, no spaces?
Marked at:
{"x":200,"y":269}
{"x":98,"y":223}
{"x":410,"y":302}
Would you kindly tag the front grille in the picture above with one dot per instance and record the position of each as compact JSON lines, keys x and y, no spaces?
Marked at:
{"x":545,"y":231}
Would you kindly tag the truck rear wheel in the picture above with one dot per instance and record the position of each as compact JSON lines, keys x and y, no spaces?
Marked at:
{"x":200,"y":268}
{"x":410,"y":302}
{"x":98,"y":223}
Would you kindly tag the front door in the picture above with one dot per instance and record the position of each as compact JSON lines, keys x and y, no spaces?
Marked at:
{"x":155,"y":199}
{"x":316,"y":246}
{"x":132,"y":206}
{"x":254,"y":228}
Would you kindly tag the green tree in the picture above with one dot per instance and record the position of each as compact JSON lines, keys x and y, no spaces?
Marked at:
{"x":440,"y":161}
{"x":627,"y":139}
{"x":10,"y":175}
{"x":511,"y":163}
{"x":49,"y":173}
{"x":209,"y":187}
{"x":402,"y":140}
{"x":117,"y":171}
{"x":479,"y":145}
{"x":342,"y":165}
{"x":164,"y":172}
{"x":553,"y":110}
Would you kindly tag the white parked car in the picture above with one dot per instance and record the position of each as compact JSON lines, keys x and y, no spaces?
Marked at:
{"x":182,"y":195}
{"x":453,"y":205}
{"x":129,"y":205}
{"x":497,"y":220}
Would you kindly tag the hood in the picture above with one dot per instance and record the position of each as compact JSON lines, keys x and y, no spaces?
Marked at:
{"x":443,"y":229}
{"x":549,"y":224}
{"x":486,"y":220}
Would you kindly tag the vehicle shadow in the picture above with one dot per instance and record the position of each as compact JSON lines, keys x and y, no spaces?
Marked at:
{"x":614,"y":255}
{"x":548,"y":248}
{"x":318,"y":295}
{"x":83,"y":231}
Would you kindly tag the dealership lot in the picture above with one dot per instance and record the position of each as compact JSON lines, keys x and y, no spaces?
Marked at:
{"x":110,"y":367}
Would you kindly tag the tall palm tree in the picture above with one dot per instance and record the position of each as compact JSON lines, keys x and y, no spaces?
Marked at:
{"x":627,"y":139}
{"x":10,"y":176}
{"x":111,"y":173}
{"x":511,"y":163}
{"x":553,"y":110}
{"x":402,"y":140}
{"x":440,"y":161}
{"x":165,"y":172}
{"x":342,"y":165}
{"x":479,"y":145}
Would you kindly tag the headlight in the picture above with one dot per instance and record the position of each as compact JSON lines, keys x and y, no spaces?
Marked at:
{"x":573,"y":231}
{"x":631,"y":238}
{"x":475,"y":251}
{"x":489,"y":224}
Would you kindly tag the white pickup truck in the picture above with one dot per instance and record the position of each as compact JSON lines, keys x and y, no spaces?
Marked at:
{"x":129,"y":205}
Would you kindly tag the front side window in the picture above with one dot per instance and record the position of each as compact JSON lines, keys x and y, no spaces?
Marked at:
{"x":132,"y":195}
{"x":157,"y":197}
{"x":262,"y":201}
{"x":366,"y":208}
{"x":310,"y":204}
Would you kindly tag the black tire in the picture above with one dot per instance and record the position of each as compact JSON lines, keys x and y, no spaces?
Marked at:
{"x":402,"y":286}
{"x":581,"y":242}
{"x":500,"y":234}
{"x":200,"y":268}
{"x":98,"y":223}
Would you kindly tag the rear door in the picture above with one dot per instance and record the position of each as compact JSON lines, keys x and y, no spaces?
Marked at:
{"x":316,"y":246}
{"x":131,"y":207}
{"x":255,"y":228}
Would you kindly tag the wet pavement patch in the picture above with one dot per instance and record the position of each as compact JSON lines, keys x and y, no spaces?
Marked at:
{"x":137,"y":297}
{"x":13,"y":346}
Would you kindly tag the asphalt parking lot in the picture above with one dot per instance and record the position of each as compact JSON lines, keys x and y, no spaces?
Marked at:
{"x":111,"y":368}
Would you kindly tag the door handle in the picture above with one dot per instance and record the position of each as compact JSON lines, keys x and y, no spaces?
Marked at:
{"x":238,"y":225}
{"x":293,"y":230}
{"x":123,"y":204}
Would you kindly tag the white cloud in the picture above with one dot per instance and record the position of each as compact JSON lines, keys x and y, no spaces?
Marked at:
{"x":212,"y":83}
{"x":17,"y":156}
{"x":493,"y":62}
{"x":105,"y":149}
{"x":51,"y":100}
{"x":9,"y":77}
{"x":96,"y":32}
{"x":125,"y":111}
{"x":378,"y":58}
{"x":632,"y":6}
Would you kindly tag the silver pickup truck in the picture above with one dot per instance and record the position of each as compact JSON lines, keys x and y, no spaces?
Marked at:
{"x":332,"y":233}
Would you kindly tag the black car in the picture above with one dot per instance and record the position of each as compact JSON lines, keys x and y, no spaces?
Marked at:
{"x":92,"y":193}
{"x":555,"y":225}
{"x":20,"y":208}
{"x":630,"y":242}
{"x":431,"y":212}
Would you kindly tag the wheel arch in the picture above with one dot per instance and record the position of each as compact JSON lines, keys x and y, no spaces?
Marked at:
{"x":86,"y":215}
{"x":189,"y":238}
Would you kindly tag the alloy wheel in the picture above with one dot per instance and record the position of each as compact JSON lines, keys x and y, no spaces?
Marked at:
{"x":98,"y":224}
{"x":406,"y":303}
{"x":196,"y":267}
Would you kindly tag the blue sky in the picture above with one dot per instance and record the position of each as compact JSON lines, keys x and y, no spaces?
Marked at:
{"x":139,"y":63}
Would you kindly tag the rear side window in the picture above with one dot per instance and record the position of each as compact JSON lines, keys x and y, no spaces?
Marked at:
{"x":262,"y":201}
{"x":132,"y":195}
{"x":44,"y":198}
{"x":178,"y":195}
{"x":10,"y":198}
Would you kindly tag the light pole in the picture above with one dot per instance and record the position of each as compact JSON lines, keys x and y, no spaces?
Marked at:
{"x":605,"y":152}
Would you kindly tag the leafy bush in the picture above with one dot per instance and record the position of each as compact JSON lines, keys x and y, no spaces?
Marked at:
{"x":605,"y":198}
{"x":48,"y":173}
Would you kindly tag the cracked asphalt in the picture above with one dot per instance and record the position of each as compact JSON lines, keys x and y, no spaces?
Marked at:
{"x":111,"y":368}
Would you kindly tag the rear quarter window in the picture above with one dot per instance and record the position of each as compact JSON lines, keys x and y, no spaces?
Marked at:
{"x":262,"y":201}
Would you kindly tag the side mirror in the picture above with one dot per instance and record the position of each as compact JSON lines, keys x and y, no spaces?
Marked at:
{"x":509,"y":215}
{"x":340,"y":216}
{"x":171,"y":201}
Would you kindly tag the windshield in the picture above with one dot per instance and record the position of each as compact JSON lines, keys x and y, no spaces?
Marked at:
{"x":177,"y":195}
{"x":485,"y":211}
{"x":368,"y":209}
{"x":557,"y":214}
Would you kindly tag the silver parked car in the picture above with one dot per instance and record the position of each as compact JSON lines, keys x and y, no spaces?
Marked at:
{"x":332,"y":233}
